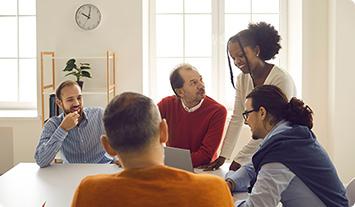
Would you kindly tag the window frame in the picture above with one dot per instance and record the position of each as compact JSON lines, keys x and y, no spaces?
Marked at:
{"x":19,"y":105}
{"x":218,"y":47}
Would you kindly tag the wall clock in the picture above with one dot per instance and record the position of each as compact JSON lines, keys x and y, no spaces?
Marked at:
{"x":88,"y":17}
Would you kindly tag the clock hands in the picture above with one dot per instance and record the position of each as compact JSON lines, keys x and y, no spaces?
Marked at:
{"x":89,"y":12}
{"x":84,"y":19}
{"x":87,"y":16}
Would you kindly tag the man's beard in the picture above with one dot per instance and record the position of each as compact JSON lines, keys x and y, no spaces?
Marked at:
{"x":71,"y":110}
{"x":200,"y":95}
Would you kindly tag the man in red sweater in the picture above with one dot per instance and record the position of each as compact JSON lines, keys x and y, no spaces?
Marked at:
{"x":196,"y":121}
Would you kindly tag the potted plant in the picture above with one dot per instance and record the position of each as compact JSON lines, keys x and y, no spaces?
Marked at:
{"x":78,"y":72}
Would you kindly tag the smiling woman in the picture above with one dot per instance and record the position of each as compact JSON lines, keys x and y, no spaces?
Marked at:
{"x":251,"y":49}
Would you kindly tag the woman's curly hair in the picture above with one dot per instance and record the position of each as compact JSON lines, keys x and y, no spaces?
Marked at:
{"x":260,"y":34}
{"x":267,"y":38}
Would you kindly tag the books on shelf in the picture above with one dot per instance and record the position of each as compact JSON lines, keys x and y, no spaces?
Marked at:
{"x":54,"y":110}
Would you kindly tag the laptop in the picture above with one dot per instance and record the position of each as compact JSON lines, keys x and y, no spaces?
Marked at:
{"x":178,"y":158}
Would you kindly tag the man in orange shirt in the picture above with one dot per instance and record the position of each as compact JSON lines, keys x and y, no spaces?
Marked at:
{"x":135,"y":134}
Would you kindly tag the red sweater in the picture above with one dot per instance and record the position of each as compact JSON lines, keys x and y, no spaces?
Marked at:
{"x":199,"y":131}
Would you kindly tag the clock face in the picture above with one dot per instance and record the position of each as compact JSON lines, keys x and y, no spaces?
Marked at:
{"x":88,"y":17}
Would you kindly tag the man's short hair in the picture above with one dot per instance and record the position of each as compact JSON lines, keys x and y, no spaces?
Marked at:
{"x":58,"y":91}
{"x":131,"y":122}
{"x":176,"y":80}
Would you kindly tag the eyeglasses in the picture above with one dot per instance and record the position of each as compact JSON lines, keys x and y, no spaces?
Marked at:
{"x":246,"y":114}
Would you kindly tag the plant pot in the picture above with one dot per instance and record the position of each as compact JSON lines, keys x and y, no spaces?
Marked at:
{"x":80,"y":83}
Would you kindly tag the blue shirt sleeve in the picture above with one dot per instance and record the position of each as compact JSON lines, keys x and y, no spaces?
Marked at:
{"x":50,"y":142}
{"x":242,"y":177}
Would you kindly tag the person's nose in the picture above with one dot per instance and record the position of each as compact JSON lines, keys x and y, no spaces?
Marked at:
{"x":238,"y":61}
{"x":201,"y":84}
{"x":76,"y":102}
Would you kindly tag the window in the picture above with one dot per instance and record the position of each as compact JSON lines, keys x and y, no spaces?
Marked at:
{"x":18,"y":80}
{"x":196,"y":32}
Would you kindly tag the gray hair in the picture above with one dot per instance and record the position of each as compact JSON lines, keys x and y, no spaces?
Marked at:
{"x":131,"y":121}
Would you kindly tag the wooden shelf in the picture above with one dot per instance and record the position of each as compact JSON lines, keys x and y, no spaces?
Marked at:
{"x":49,"y":88}
{"x":98,"y":92}
{"x":69,"y":57}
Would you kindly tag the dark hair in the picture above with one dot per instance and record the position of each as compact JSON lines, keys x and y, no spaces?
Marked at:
{"x":176,"y":80}
{"x":58,"y":91}
{"x":131,"y":120}
{"x":260,"y":34}
{"x":276,"y":104}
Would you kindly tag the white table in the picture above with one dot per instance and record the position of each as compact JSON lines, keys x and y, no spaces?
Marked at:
{"x":28,"y":185}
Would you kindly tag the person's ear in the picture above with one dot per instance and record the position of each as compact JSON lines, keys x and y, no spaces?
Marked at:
{"x":164,"y":135}
{"x":180,"y":92}
{"x":107,"y":146}
{"x":257,"y":50}
{"x":262,"y":113}
{"x":59,"y":103}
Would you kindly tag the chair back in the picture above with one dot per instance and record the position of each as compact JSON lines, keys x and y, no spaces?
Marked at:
{"x":350,"y":192}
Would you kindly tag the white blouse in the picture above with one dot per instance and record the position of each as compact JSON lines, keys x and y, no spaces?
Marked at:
{"x":244,"y":86}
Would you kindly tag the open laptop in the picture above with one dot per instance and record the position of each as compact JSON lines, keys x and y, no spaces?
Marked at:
{"x":178,"y":158}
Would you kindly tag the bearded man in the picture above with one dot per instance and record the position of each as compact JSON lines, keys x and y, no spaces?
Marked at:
{"x":75,"y":133}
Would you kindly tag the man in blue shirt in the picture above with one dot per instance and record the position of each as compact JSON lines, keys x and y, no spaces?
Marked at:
{"x":290,"y":166}
{"x":75,"y":133}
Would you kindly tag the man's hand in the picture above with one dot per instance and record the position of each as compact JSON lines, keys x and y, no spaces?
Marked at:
{"x":215,"y":164}
{"x":70,"y":121}
{"x":234,"y":166}
{"x":230,"y":185}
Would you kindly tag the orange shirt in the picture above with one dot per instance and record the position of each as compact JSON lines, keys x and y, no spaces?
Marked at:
{"x":154,"y":186}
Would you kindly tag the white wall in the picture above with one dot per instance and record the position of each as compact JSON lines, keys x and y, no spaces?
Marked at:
{"x":24,"y":135}
{"x":342,"y":87}
{"x":327,"y":81}
{"x":119,"y":31}
{"x":326,"y":43}
{"x":315,"y":65}
{"x":325,"y":35}
{"x":6,"y":149}
{"x":308,"y":55}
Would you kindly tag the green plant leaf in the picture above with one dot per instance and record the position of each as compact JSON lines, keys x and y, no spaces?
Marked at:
{"x":84,"y":67}
{"x":70,"y":65}
{"x":76,"y":71}
{"x":85,"y":74}
{"x":71,"y":61}
{"x":72,"y":73}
